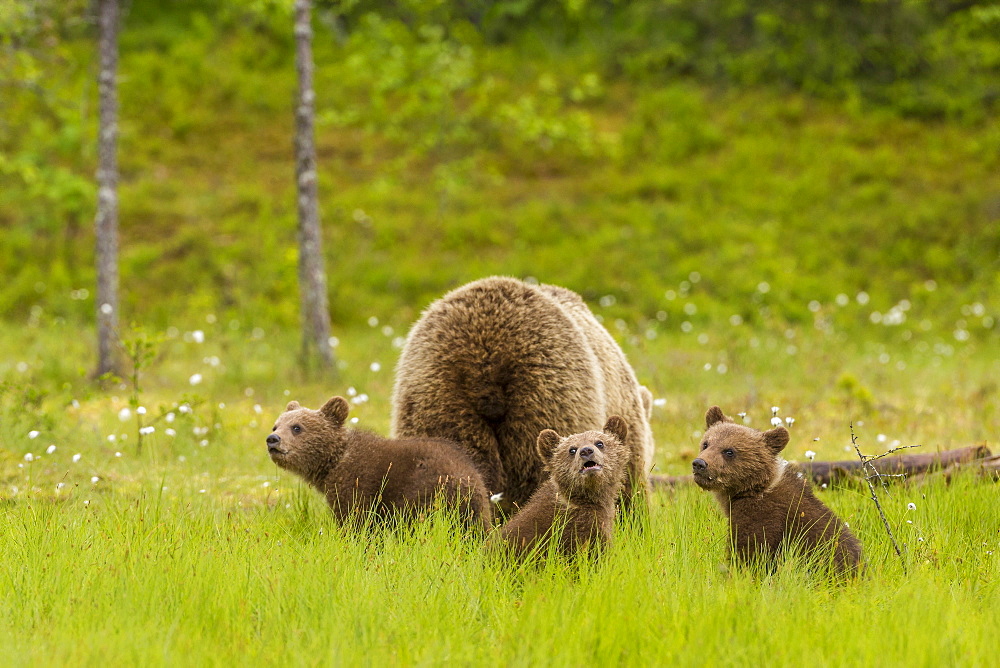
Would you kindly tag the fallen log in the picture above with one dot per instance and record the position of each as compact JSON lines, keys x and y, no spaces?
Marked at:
{"x":827,"y":473}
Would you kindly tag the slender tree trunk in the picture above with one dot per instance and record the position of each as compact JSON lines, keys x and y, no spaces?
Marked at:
{"x":312,"y":275}
{"x":107,"y":193}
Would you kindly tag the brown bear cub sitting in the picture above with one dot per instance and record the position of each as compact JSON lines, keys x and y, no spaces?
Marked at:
{"x":359,"y":471}
{"x":586,"y":475}
{"x":769,"y":505}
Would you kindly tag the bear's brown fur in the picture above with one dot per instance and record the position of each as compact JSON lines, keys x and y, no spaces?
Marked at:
{"x":493,"y":363}
{"x":769,"y":505}
{"x":587,"y":472}
{"x":359,"y":471}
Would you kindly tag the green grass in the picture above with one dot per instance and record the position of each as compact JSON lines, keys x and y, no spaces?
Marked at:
{"x":164,"y":577}
{"x":198,"y":550}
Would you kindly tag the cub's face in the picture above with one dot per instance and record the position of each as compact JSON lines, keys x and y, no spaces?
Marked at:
{"x":735,"y":459}
{"x":304,"y":439}
{"x":587,"y":463}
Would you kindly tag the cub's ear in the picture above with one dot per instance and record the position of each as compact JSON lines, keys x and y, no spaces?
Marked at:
{"x":617,"y":427}
{"x":546,"y":444}
{"x":715,"y":415}
{"x":776,"y":439}
{"x":293,"y":405}
{"x":335,"y":410}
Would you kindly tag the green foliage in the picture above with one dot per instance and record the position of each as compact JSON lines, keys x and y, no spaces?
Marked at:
{"x":450,"y":148}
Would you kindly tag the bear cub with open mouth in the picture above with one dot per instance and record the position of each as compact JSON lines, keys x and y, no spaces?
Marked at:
{"x":769,"y":505}
{"x":586,"y":475}
{"x":359,"y":471}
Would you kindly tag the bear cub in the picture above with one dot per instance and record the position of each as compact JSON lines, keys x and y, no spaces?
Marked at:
{"x":359,"y":471}
{"x":769,"y":505}
{"x":586,"y":474}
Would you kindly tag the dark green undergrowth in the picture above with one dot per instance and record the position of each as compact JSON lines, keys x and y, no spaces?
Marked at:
{"x":456,"y":143}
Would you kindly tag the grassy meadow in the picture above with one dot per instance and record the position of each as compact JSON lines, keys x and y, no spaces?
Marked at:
{"x":750,"y":243}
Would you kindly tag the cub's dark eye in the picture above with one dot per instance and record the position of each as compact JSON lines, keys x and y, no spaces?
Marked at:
{"x":296,"y":429}
{"x":600,"y":444}
{"x":728,"y":453}
{"x":274,"y":428}
{"x":704,"y":445}
{"x":572,"y":451}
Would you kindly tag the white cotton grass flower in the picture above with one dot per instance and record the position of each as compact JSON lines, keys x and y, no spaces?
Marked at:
{"x":351,"y":391}
{"x":49,"y":450}
{"x":911,"y":506}
{"x":198,"y":336}
{"x":170,"y":432}
{"x":775,"y":410}
{"x":28,"y":457}
{"x":195,"y":379}
{"x":141,"y":410}
{"x":375,"y":367}
{"x":170,"y":417}
{"x":659,"y":403}
{"x":146,"y":431}
{"x":184,"y":408}
{"x":776,"y":421}
{"x":354,"y":420}
{"x":33,"y":433}
{"x":95,"y":480}
{"x":76,"y":457}
{"x":125,"y":414}
{"x":789,"y":421}
{"x":810,"y":455}
{"x":118,"y":454}
{"x":112,"y":438}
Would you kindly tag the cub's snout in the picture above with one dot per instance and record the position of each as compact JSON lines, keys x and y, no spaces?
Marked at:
{"x":274,"y":445}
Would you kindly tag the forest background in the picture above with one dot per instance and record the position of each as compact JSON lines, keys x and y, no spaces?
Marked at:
{"x":767,"y":203}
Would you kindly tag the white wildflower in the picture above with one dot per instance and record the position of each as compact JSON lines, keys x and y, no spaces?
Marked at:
{"x":76,"y":457}
{"x":195,"y":379}
{"x":49,"y":450}
{"x":810,"y":454}
{"x":33,"y":433}
{"x":124,"y":414}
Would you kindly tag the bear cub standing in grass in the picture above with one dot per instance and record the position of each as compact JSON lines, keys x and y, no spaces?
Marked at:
{"x":586,"y":475}
{"x":768,"y":504}
{"x":359,"y":471}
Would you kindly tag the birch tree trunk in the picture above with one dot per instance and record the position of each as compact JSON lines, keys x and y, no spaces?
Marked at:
{"x":312,"y":275}
{"x":107,"y":194}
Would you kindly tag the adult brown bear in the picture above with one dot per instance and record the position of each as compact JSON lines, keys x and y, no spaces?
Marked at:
{"x":493,"y":363}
